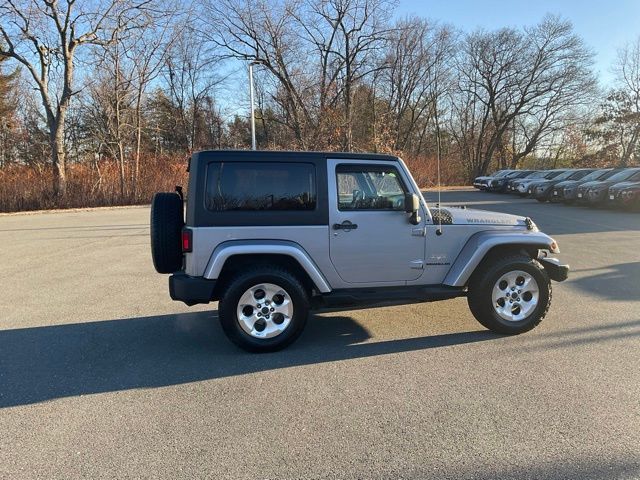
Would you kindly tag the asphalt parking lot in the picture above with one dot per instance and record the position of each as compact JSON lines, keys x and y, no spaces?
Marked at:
{"x":103,"y":376}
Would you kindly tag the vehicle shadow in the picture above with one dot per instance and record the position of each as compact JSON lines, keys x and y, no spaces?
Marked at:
{"x":578,"y":337}
{"x":614,"y":282}
{"x":562,"y":468}
{"x":45,"y":363}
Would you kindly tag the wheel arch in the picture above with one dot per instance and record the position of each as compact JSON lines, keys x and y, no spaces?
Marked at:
{"x":484,"y":245}
{"x":230,"y":257}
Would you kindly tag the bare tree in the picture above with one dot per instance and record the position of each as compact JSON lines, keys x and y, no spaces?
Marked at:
{"x":147,"y":53}
{"x":8,"y":109}
{"x":620,"y":117}
{"x":417,"y":56}
{"x":44,"y":36}
{"x":317,"y":51}
{"x":509,"y":79}
{"x":108,"y":107}
{"x":348,"y":38}
{"x":191,"y":72}
{"x":265,"y":32}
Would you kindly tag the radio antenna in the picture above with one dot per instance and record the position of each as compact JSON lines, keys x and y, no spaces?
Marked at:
{"x":438,"y":149}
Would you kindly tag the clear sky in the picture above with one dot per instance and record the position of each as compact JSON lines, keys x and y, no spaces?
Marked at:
{"x":604,"y":25}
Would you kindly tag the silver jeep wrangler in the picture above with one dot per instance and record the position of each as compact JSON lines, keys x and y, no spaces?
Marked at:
{"x":271,"y":235}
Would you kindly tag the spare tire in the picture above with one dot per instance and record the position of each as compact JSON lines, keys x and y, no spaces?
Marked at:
{"x":167,"y":220}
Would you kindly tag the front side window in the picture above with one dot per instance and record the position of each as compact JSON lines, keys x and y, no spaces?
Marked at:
{"x":251,"y":186}
{"x":369,"y":188}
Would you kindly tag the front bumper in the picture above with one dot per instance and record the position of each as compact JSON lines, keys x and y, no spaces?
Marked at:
{"x":496,"y":188}
{"x":191,"y":290}
{"x":542,"y":194}
{"x":581,"y":196}
{"x":557,"y":195}
{"x":555,"y":269}
{"x":615,"y":198}
{"x":597,"y":197}
{"x":630,"y":199}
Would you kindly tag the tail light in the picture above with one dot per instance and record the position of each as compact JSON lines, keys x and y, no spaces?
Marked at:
{"x":187,"y":240}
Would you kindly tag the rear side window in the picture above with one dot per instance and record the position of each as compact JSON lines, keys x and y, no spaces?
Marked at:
{"x":255,"y":186}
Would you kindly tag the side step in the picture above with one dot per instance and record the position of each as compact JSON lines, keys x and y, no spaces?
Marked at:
{"x":385,"y":296}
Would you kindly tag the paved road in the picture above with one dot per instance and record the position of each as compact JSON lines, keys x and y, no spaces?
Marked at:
{"x":102,"y":376}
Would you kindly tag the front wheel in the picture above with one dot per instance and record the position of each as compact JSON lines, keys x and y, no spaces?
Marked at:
{"x":511,"y":295}
{"x":263,"y":310}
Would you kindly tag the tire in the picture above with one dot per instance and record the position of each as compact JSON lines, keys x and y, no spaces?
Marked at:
{"x":244,"y":329}
{"x":511,"y":269}
{"x":166,"y":223}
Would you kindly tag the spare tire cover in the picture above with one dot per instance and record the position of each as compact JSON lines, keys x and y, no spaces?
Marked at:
{"x":167,"y":221}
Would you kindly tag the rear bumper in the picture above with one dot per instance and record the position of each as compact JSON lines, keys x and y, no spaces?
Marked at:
{"x":191,"y":290}
{"x":555,"y":269}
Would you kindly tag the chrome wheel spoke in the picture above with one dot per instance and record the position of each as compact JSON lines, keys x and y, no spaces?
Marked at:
{"x":526,"y":285}
{"x":286,"y":308}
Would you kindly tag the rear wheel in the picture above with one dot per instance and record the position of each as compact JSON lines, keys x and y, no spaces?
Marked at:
{"x":511,"y":295}
{"x":264,"y":310}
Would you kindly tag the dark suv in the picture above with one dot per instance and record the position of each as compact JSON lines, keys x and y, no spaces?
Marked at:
{"x":595,"y":193}
{"x":543,"y":190}
{"x":500,"y":184}
{"x":565,"y":191}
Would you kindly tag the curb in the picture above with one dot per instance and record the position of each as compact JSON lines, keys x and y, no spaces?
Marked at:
{"x":66,"y":210}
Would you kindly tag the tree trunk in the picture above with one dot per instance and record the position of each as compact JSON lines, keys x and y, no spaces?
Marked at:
{"x":59,"y":159}
{"x":631,"y":147}
{"x":136,"y":168}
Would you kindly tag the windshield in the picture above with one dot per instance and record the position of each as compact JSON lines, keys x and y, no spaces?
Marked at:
{"x":609,"y":174}
{"x":553,"y":174}
{"x":501,"y":173}
{"x":566,"y":175}
{"x":539,"y":174}
{"x":596,"y":175}
{"x":579,"y":174}
{"x":618,"y":177}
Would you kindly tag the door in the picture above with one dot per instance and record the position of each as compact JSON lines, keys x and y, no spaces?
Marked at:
{"x":371,"y":239}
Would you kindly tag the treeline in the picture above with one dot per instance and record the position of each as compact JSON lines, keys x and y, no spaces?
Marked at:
{"x":102,"y":101}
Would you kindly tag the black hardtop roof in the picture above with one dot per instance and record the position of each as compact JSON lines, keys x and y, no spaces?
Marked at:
{"x":289,"y":155}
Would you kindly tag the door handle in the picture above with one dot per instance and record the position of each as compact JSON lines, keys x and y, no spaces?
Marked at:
{"x":346,"y":226}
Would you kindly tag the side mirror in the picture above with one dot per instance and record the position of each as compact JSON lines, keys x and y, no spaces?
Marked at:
{"x":412,"y":206}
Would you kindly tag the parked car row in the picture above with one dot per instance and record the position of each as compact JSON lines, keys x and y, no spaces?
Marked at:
{"x":614,"y":187}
